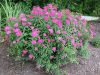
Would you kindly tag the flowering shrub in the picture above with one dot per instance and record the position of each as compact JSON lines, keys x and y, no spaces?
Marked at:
{"x":48,"y":37}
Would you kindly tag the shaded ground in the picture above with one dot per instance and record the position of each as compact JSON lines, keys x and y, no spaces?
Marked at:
{"x":89,"y":66}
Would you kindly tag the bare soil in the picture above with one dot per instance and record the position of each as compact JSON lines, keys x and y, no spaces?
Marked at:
{"x":89,"y":66}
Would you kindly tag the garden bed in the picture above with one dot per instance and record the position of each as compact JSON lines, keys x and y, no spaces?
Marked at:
{"x":90,"y":66}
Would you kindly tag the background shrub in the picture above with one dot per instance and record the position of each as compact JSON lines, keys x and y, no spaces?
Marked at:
{"x":87,"y":7}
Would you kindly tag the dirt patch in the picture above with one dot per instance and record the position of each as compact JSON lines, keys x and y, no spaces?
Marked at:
{"x":10,"y":67}
{"x":89,"y":66}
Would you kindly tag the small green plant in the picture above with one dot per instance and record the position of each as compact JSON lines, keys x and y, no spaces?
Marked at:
{"x":10,"y":10}
{"x":96,"y":41}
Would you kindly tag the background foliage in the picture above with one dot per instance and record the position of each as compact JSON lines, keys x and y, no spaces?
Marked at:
{"x":87,"y":7}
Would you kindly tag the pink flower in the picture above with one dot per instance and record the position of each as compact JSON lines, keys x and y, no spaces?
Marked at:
{"x":60,"y":38}
{"x":54,"y":20}
{"x":63,"y":57}
{"x":64,"y":42}
{"x":40,"y":41}
{"x":74,"y":45}
{"x":52,"y":13}
{"x":73,"y":41}
{"x":34,"y":11}
{"x":45,"y":8}
{"x":86,"y":30}
{"x":92,"y":34}
{"x":33,"y":42}
{"x":69,"y":74}
{"x":46,"y":18}
{"x":44,"y":46}
{"x":38,"y":8}
{"x":52,"y":40}
{"x":38,"y":37}
{"x":29,"y":23}
{"x":24,"y":23}
{"x":70,"y":17}
{"x":30,"y":56}
{"x":92,"y":27}
{"x":22,"y":15}
{"x":68,"y":12}
{"x":34,"y":33}
{"x":49,"y":40}
{"x":54,"y":49}
{"x":22,"y":54}
{"x":67,"y":22}
{"x":7,"y":28}
{"x":31,"y":27}
{"x":51,"y":31}
{"x":59,"y":14}
{"x":41,"y":12}
{"x":51,"y":57}
{"x":81,"y":40}
{"x":47,"y":13}
{"x":17,"y":40}
{"x":75,"y":22}
{"x":59,"y":23}
{"x":84,"y":22}
{"x":44,"y":34}
{"x":78,"y":17}
{"x":58,"y":32}
{"x":8,"y":32}
{"x":23,"y":19}
{"x":75,"y":30}
{"x":16,"y":30}
{"x":30,"y":16}
{"x":16,"y":25}
{"x":48,"y":26}
{"x":64,"y":32}
{"x":24,"y":51}
{"x":79,"y":34}
{"x":50,"y":5}
{"x":12,"y":18}
{"x":19,"y":33}
{"x":79,"y":44}
{"x":14,"y":42}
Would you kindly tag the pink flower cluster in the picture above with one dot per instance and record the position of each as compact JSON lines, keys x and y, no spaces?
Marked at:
{"x":17,"y":31}
{"x":45,"y":28}
{"x":24,"y":52}
{"x":7,"y":29}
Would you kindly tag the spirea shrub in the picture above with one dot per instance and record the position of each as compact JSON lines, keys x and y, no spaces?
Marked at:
{"x":48,"y":37}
